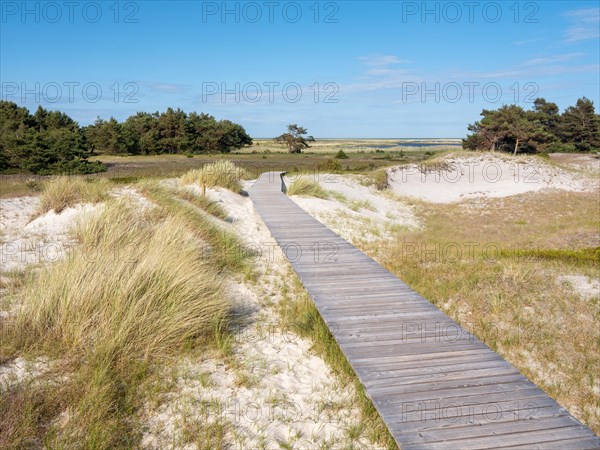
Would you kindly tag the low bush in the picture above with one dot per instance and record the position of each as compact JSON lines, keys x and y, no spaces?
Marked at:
{"x":341,"y":155}
{"x":330,"y":165}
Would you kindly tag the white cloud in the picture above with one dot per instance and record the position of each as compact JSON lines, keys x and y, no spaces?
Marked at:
{"x":586,"y":25}
{"x":169,"y":88}
{"x":528,"y":41}
{"x":553,"y":59}
{"x":381,"y":60}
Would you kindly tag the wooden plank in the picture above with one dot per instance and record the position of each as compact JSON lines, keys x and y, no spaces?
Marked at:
{"x":413,"y":360}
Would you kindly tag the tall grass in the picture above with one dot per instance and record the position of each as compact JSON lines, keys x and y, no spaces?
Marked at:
{"x":308,"y":187}
{"x":64,"y":191}
{"x":147,"y":288}
{"x":218,"y":174}
{"x":136,"y":290}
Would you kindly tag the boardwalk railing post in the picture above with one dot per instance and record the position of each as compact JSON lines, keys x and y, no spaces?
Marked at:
{"x":283,"y":186}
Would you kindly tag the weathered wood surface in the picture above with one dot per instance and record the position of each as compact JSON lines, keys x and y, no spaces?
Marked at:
{"x":435,"y":385}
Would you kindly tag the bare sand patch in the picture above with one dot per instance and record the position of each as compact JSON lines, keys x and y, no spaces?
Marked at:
{"x":586,"y":287}
{"x":456,"y":178}
{"x":20,"y":370}
{"x":355,"y":211}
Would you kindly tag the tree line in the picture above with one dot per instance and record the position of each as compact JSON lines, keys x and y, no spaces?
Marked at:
{"x":541,"y":129}
{"x":49,"y":142}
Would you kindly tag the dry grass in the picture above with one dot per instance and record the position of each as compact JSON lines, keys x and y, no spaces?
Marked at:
{"x":306,"y":186}
{"x":136,"y":291}
{"x":378,"y":179}
{"x":61,"y":192}
{"x":218,"y":174}
{"x":148,"y":289}
{"x":223,"y":247}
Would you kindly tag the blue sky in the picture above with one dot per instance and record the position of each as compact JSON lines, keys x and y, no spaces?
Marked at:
{"x":341,"y":69}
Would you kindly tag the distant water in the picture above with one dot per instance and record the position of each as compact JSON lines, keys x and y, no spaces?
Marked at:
{"x":418,"y":144}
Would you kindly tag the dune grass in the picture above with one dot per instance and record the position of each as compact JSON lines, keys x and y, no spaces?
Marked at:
{"x":378,"y":179}
{"x":223,"y":247}
{"x":61,"y":192}
{"x":307,"y":187}
{"x":202,"y":202}
{"x":221,"y":173}
{"x":136,"y":291}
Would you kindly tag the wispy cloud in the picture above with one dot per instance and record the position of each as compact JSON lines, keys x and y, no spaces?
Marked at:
{"x":382,"y":60}
{"x":527,"y":41}
{"x":167,"y":88}
{"x":553,"y":59}
{"x":528,"y":72}
{"x":386,"y":71}
{"x":585,"y":26}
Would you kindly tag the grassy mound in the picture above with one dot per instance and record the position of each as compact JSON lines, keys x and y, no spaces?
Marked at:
{"x":61,"y":192}
{"x":218,"y":174}
{"x":138,"y":290}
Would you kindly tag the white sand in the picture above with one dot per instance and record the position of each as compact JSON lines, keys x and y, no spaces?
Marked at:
{"x":362,"y":214}
{"x":21,"y":370}
{"x":586,"y":287}
{"x":25,"y":242}
{"x":488,"y":175}
{"x":45,"y":239}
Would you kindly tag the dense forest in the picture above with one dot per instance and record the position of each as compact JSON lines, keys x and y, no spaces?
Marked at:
{"x":49,"y":142}
{"x":541,"y":129}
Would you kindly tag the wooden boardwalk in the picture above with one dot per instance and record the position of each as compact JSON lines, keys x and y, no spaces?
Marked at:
{"x":434,"y":384}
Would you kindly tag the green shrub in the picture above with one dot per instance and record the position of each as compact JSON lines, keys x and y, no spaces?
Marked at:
{"x":560,"y":147}
{"x":72,"y":167}
{"x":341,"y":155}
{"x":330,"y":165}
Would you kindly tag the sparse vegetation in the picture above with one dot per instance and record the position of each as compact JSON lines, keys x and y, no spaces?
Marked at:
{"x":203,"y":203}
{"x":221,"y":245}
{"x":378,"y":179}
{"x":361,"y":204}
